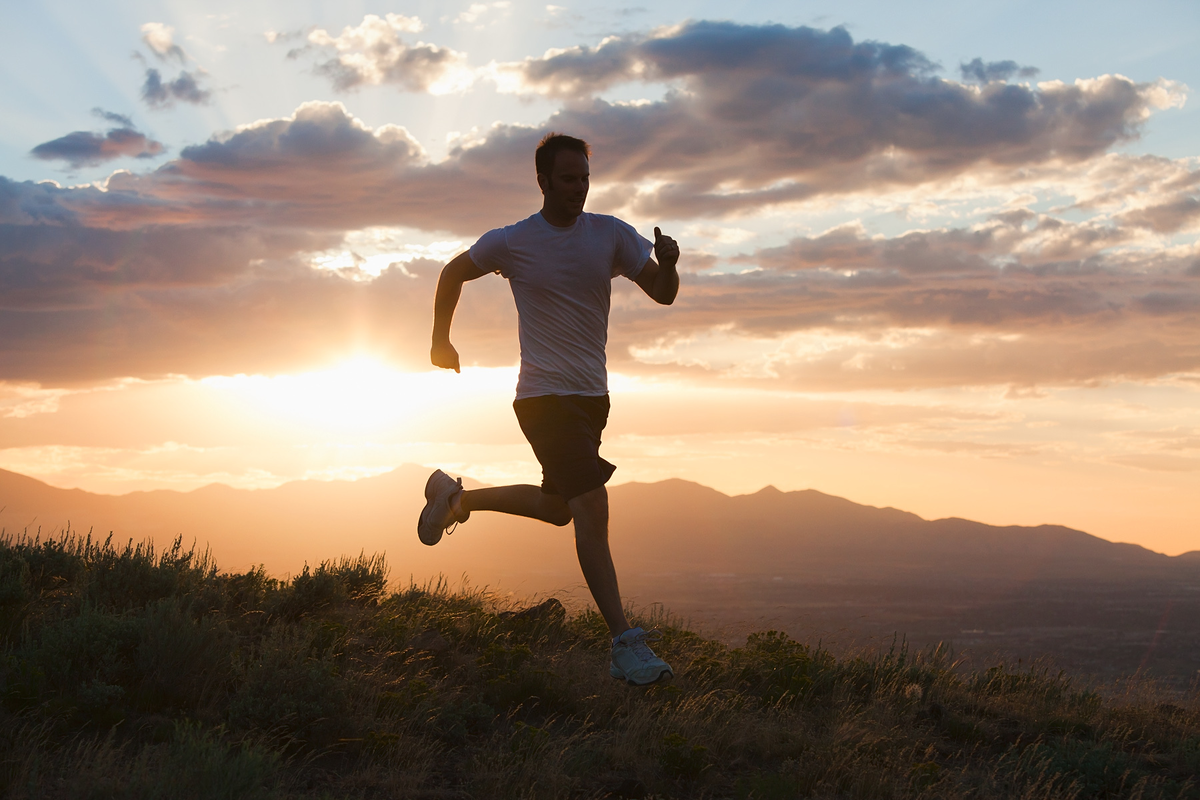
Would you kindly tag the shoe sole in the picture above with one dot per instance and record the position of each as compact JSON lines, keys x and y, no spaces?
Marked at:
{"x":421,"y":518}
{"x":665,"y":675}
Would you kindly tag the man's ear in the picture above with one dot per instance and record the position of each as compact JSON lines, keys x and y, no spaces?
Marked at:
{"x":543,"y":182}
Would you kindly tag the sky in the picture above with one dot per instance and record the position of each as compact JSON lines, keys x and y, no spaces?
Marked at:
{"x":936,"y":256}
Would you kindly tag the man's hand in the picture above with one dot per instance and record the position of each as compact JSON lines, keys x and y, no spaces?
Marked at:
{"x":666,"y":249}
{"x":659,"y":279}
{"x":443,"y":355}
{"x":460,"y":270}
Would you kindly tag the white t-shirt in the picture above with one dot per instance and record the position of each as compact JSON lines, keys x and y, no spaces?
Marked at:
{"x":561,"y":279}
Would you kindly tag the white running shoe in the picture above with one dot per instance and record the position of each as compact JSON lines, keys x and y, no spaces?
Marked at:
{"x":438,"y":513}
{"x":634,"y":662}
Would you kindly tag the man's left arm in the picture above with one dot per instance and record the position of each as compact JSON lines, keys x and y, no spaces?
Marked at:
{"x":659,"y":279}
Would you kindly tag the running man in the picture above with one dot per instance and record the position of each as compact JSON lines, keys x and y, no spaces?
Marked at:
{"x":560,"y":263}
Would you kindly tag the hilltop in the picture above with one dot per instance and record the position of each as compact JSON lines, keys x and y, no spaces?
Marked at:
{"x":821,"y":568}
{"x":131,"y":674}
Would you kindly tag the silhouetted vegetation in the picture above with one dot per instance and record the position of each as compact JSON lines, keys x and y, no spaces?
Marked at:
{"x":131,"y":674}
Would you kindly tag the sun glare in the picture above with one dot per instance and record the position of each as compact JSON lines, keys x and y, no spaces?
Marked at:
{"x":361,"y":395}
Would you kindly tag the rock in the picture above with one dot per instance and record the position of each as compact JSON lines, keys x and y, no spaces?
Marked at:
{"x":547,"y":611}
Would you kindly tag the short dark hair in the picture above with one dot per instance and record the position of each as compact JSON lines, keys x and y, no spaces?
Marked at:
{"x":547,"y":150}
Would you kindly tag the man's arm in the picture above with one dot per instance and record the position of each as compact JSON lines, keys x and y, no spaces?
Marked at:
{"x":460,"y":270}
{"x":659,"y":279}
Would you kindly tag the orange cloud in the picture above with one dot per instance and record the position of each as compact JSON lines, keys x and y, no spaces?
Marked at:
{"x":205,"y":265}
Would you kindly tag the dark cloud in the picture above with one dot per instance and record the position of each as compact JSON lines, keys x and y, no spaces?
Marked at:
{"x":185,"y":88}
{"x":56,"y":266}
{"x":26,"y":203}
{"x":1170,"y":303}
{"x":759,"y":57}
{"x":325,"y":169}
{"x":765,"y":115}
{"x":90,"y":148}
{"x":1012,"y":301}
{"x":986,"y":72}
{"x":110,"y":116}
{"x":863,"y":334}
{"x":770,"y":114}
{"x":1182,"y":211}
{"x":1018,"y":242}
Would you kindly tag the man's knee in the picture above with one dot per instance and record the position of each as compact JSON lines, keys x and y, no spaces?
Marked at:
{"x":555,"y":510}
{"x":590,"y":511}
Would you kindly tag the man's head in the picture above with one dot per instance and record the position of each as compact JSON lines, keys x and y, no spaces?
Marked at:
{"x":551,"y":145}
{"x":562,"y":174}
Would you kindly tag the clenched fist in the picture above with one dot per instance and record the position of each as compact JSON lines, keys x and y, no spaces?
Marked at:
{"x":443,"y":355}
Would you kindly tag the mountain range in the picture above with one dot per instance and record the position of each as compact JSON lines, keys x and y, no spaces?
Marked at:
{"x":671,"y":528}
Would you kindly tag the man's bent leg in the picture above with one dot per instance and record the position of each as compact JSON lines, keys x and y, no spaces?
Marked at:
{"x":590,"y":511}
{"x":521,"y":500}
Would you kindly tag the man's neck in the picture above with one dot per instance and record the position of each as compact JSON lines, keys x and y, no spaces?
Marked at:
{"x":558,"y":220}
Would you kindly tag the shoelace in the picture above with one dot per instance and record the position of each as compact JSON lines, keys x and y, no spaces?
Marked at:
{"x":639,"y":646}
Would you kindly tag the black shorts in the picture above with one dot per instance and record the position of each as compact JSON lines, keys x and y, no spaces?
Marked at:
{"x":564,"y":431}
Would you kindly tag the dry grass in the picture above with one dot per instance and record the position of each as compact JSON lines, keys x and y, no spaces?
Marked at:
{"x":127,"y":674}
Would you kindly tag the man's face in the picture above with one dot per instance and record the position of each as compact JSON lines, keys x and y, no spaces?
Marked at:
{"x":566,"y":188}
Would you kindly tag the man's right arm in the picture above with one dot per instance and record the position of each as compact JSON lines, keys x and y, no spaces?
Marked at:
{"x":460,"y":270}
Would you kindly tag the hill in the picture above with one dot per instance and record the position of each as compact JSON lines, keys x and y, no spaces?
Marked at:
{"x":671,"y":527}
{"x":131,"y":674}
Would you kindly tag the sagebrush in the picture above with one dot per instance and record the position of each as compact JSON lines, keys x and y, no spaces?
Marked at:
{"x":128,"y":673}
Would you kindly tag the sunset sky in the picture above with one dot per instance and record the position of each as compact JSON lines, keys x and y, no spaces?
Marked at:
{"x":938,"y":256}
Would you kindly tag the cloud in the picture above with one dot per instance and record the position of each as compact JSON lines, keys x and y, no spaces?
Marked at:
{"x":324,"y":169}
{"x":1181,"y":211}
{"x":374,"y":53}
{"x":978,"y":70}
{"x":207,"y":264}
{"x":767,"y":114}
{"x":649,"y":160}
{"x":1017,"y":242}
{"x":1023,"y":299}
{"x":160,"y":39}
{"x":213,"y":301}
{"x":110,"y":116}
{"x":476,"y":11}
{"x":202,"y":267}
{"x":90,"y":148}
{"x":185,"y":87}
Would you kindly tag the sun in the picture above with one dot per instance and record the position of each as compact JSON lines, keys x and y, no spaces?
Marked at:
{"x":362,"y":395}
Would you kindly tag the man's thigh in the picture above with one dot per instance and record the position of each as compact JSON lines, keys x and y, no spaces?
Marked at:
{"x":564,"y":432}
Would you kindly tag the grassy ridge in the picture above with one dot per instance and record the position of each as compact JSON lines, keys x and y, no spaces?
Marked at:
{"x":131,"y":674}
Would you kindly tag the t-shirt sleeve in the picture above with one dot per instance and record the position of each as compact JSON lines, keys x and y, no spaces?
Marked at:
{"x":490,"y":253}
{"x":632,"y":251}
